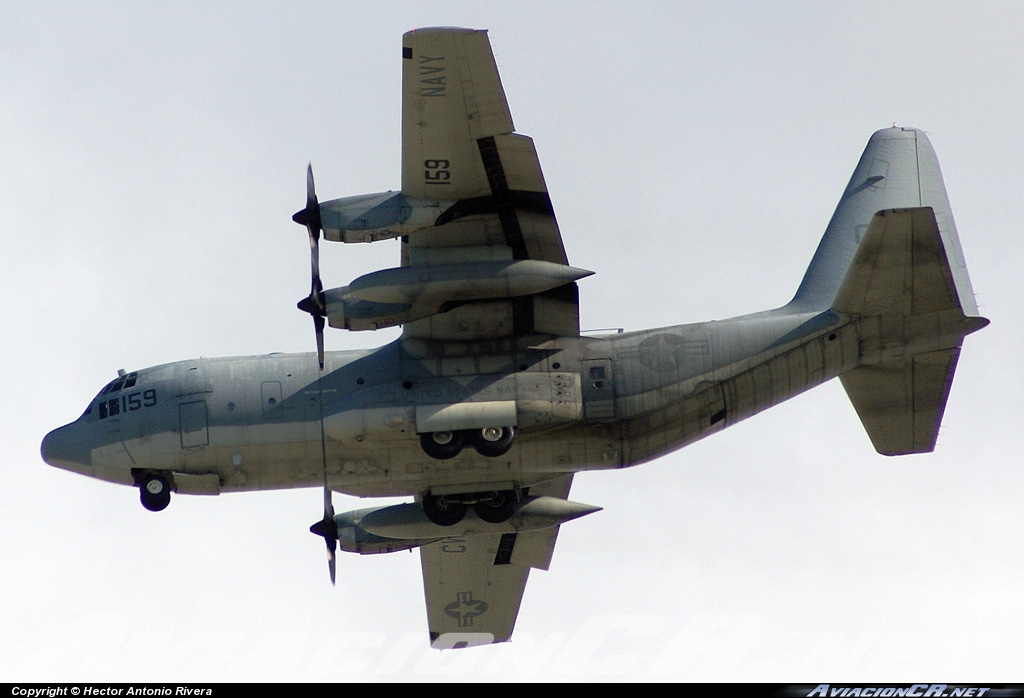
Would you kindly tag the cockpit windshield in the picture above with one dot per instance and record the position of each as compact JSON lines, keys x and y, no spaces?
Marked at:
{"x":108,"y":403}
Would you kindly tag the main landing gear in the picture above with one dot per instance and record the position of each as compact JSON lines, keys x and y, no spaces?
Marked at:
{"x":496,"y":506}
{"x":489,"y":441}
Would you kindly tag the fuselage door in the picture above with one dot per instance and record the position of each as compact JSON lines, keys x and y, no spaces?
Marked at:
{"x":194,"y":431}
{"x":598,"y":390}
{"x":270,"y":392}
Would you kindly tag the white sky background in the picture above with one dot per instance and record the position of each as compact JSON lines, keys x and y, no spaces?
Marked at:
{"x":152,"y":155}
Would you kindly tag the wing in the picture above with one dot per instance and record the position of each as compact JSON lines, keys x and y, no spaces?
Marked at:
{"x":458,"y":146}
{"x":474,"y":585}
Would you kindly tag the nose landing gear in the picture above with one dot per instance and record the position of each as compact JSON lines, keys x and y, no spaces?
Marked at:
{"x":154,"y":492}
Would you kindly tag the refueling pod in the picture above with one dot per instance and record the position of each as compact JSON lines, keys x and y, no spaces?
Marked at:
{"x":403,"y":294}
{"x":406,"y":526}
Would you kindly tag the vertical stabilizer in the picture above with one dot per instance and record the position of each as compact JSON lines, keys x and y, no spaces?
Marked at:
{"x":898,"y":169}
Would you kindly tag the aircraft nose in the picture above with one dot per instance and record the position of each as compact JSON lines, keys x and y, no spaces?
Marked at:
{"x":61,"y":449}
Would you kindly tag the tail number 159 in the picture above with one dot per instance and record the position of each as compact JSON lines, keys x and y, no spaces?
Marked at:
{"x":436,"y":171}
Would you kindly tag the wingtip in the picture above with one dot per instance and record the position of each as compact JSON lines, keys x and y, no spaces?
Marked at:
{"x":973,"y":323}
{"x":460,"y":640}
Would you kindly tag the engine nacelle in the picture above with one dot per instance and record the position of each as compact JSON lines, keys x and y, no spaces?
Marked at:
{"x":353,"y":538}
{"x":370,"y":217}
{"x":346,"y":312}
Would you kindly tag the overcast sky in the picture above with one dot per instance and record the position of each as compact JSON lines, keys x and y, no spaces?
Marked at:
{"x":152,"y":155}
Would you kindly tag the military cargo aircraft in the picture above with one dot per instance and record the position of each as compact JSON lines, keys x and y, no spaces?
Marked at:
{"x":492,"y":399}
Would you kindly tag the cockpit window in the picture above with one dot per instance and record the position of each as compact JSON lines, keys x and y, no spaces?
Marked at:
{"x":126,"y":381}
{"x":109,"y":404}
{"x":108,"y":408}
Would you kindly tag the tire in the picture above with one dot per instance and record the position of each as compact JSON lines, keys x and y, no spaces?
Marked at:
{"x":493,"y":442}
{"x":155,"y":493}
{"x":442,"y":445}
{"x":443,"y":511}
{"x":499,"y":508}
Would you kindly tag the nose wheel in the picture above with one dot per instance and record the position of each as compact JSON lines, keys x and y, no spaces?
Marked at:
{"x":155,"y":492}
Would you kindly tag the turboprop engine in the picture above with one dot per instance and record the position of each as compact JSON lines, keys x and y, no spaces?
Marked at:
{"x":406,"y":526}
{"x":371,"y":217}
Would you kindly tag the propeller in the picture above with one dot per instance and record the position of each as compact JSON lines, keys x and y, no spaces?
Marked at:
{"x":314,"y":304}
{"x":327,"y":528}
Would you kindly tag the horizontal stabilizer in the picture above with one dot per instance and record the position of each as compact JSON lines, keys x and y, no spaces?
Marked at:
{"x":901,"y":402}
{"x":911,"y":325}
{"x":900,"y":268}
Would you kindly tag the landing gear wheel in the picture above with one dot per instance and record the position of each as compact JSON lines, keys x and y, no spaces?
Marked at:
{"x":442,"y":445}
{"x":154,"y":493}
{"x":442,"y":510}
{"x":493,"y":441}
{"x":498,"y":508}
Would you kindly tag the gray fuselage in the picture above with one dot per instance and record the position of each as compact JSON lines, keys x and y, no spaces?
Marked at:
{"x":253,"y":423}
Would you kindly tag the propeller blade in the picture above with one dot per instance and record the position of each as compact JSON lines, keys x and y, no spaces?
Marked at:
{"x":310,"y":216}
{"x":315,"y":303}
{"x":332,"y":543}
{"x":310,"y":186}
{"x":312,"y":220}
{"x":332,"y":564}
{"x":314,"y":260}
{"x":327,"y":528}
{"x":318,"y":324}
